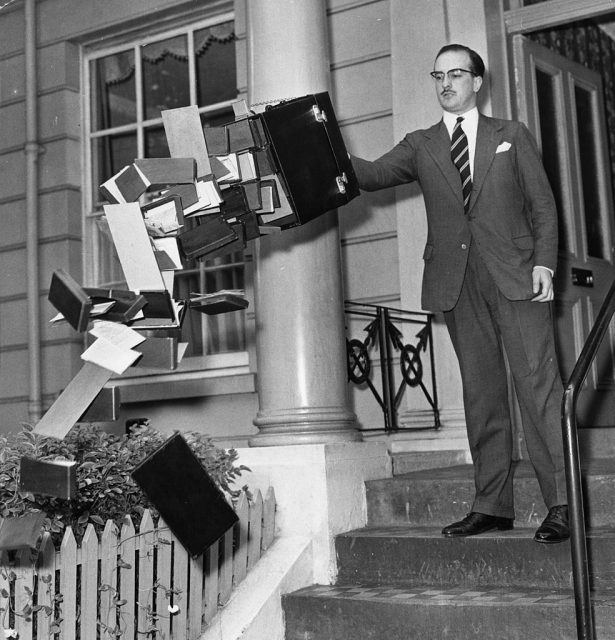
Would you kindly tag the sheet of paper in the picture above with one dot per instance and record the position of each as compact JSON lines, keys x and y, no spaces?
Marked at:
{"x":119,"y":334}
{"x":163,"y":217}
{"x":231,"y":163}
{"x":108,"y":355}
{"x":210,"y":190}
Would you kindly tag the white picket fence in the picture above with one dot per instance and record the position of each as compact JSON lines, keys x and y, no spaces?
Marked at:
{"x":129,"y":584}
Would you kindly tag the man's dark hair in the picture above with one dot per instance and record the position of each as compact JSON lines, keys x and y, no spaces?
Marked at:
{"x":477,"y":65}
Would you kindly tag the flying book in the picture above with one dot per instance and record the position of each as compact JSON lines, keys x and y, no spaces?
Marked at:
{"x":223,"y":301}
{"x":22,"y":532}
{"x":69,"y":298}
{"x":128,"y":185}
{"x":48,"y":477}
{"x":187,"y":498}
{"x":167,"y":171}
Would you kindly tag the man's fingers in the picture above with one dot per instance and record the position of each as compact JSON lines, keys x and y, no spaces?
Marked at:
{"x":542,"y":282}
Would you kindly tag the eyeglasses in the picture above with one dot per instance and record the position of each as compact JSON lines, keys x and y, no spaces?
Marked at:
{"x":451,"y":74}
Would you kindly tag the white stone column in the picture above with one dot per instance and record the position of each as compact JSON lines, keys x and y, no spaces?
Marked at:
{"x":300,"y":338}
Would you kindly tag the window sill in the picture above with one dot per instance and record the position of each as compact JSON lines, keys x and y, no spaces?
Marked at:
{"x":191,"y":379}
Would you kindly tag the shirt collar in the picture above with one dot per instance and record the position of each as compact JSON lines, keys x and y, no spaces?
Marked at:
{"x":470,"y":119}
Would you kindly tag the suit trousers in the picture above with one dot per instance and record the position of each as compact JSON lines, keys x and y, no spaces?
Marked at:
{"x":481,"y":324}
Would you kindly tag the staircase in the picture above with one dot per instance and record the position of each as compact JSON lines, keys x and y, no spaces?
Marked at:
{"x":400,"y":579}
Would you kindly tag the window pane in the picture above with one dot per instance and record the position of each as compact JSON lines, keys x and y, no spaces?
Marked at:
{"x":215,"y":64}
{"x":110,"y":269}
{"x":165,"y":76}
{"x":549,"y":119}
{"x":218,"y":333}
{"x":218,"y":118}
{"x":111,"y":153}
{"x":113,"y":91}
{"x":156,"y":143}
{"x":588,"y":158}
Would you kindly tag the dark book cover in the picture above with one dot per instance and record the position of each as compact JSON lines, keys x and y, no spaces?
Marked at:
{"x":159,"y":304}
{"x":249,"y":220}
{"x":126,"y":303}
{"x":22,"y":532}
{"x":69,"y":298}
{"x":215,"y":303}
{"x":240,"y":136}
{"x":187,"y":498}
{"x":265,"y":163}
{"x":104,"y":408}
{"x":48,"y":477}
{"x":167,"y":171}
{"x":234,"y":201}
{"x":252,"y":192}
{"x":258,"y":131}
{"x":186,"y":192}
{"x":211,"y":234}
{"x":130,"y":184}
{"x":216,"y":139}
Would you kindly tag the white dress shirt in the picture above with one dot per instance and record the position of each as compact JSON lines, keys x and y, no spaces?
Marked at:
{"x":469,"y":126}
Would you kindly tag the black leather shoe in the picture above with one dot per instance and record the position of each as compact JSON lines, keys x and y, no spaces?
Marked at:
{"x":475,"y":523}
{"x":554,"y":527}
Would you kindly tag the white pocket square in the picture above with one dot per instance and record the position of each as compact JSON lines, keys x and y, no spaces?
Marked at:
{"x":503,"y":146}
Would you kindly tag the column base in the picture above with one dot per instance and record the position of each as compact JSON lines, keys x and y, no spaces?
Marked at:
{"x":305,"y":426}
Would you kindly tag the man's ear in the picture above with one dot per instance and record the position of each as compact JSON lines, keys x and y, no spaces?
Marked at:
{"x":478,"y":83}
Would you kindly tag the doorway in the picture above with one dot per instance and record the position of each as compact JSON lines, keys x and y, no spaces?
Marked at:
{"x":562,"y":103}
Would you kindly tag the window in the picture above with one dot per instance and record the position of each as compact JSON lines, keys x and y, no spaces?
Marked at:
{"x":128,"y":85}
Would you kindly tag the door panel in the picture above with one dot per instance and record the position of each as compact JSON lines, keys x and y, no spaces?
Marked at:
{"x":562,"y":104}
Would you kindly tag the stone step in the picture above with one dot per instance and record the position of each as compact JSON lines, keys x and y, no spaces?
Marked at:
{"x":436,"y":497}
{"x":411,"y":556}
{"x":408,"y":461}
{"x":425,"y":613}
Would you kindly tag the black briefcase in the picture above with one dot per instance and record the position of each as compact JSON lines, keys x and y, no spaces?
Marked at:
{"x":305,"y":139}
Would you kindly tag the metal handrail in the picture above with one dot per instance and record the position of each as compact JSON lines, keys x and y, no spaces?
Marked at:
{"x":578,"y":537}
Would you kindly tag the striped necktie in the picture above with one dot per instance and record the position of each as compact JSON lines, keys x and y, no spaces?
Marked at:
{"x":461,"y":158}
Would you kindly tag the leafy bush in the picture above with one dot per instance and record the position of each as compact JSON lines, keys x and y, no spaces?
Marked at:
{"x":105,"y":489}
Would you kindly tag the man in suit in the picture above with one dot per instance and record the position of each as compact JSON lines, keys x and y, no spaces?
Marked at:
{"x":489,"y":261}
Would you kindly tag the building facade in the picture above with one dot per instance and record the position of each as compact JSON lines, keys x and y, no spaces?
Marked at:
{"x":82,"y":85}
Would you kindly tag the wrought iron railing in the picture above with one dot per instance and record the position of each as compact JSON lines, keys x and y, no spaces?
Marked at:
{"x":384,"y":334}
{"x":578,"y":537}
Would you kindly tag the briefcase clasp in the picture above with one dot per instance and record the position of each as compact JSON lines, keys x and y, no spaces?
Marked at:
{"x":319,"y":114}
{"x":342,"y":181}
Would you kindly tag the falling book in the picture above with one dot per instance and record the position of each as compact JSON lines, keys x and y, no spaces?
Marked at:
{"x":222,"y":301}
{"x":22,"y":532}
{"x":187,"y":497}
{"x":67,"y":296}
{"x":48,"y":477}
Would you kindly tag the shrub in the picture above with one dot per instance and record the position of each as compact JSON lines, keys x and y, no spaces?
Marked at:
{"x":105,"y":489}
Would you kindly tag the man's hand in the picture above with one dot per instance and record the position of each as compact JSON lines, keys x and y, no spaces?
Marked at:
{"x":542,"y":280}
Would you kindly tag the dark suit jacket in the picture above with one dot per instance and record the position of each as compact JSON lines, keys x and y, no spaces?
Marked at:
{"x":512,"y":219}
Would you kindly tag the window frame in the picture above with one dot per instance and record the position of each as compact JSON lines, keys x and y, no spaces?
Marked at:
{"x":231,"y":363}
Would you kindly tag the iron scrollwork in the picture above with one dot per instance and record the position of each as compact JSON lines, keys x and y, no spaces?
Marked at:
{"x":382,"y":334}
